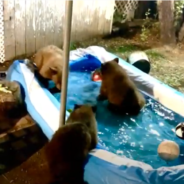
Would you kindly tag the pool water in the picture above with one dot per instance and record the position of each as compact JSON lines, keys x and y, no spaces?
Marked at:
{"x":136,"y":138}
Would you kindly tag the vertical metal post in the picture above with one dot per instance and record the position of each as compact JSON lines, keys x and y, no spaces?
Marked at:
{"x":66,"y":52}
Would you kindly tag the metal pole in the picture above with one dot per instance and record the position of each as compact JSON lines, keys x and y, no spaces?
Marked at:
{"x":66,"y":52}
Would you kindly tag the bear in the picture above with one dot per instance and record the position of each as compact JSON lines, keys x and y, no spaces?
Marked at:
{"x":48,"y":62}
{"x":68,"y":149}
{"x":120,"y":91}
{"x":85,"y":114}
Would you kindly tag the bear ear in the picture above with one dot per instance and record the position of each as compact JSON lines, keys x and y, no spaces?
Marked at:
{"x":94,"y":108}
{"x":116,"y":60}
{"x":53,"y":69}
{"x":76,"y":106}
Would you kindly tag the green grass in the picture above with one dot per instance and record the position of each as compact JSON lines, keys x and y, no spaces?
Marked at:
{"x":124,"y":49}
{"x":73,"y":46}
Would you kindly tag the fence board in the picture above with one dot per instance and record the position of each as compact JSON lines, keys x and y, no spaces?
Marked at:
{"x":108,"y":16}
{"x":58,"y":24}
{"x":79,"y":25}
{"x":49,"y":20}
{"x":74,"y":22}
{"x":40,"y":23}
{"x":19,"y":27}
{"x":95,"y":14}
{"x":91,"y":21}
{"x":30,"y":26}
{"x":96,"y":18}
{"x":101,"y":17}
{"x":9,"y":33}
{"x":85,"y":16}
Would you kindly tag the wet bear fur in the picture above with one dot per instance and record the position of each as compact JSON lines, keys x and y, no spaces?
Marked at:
{"x":119,"y":89}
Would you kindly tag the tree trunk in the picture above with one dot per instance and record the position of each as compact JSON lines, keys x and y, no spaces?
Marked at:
{"x":181,"y":34}
{"x":166,"y":19}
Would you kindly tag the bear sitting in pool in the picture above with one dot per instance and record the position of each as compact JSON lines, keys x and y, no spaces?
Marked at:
{"x":119,"y":89}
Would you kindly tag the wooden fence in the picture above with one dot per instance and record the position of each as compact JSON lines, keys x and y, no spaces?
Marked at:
{"x":32,"y":24}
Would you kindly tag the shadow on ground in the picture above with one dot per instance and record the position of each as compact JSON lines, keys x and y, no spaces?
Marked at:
{"x":18,"y":162}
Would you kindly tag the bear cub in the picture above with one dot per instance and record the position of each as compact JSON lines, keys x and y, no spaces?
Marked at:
{"x":48,"y":63}
{"x":68,"y":149}
{"x":119,"y":89}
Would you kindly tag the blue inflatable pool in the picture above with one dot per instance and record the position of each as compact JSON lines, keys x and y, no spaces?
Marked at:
{"x":103,"y":167}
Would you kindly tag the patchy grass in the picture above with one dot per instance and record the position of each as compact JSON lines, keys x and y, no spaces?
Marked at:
{"x":166,"y":65}
{"x":162,"y":67}
{"x":125,"y":48}
{"x":73,"y":46}
{"x":154,"y":54}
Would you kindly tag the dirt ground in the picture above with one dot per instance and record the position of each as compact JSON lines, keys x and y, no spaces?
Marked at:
{"x":167,"y":65}
{"x":33,"y":171}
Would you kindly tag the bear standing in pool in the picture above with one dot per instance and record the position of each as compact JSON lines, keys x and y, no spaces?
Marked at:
{"x":67,"y":151}
{"x":121,"y":92}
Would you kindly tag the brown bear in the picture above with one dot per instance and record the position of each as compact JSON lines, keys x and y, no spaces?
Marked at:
{"x":85,"y":114}
{"x":119,"y":89}
{"x":49,"y":63}
{"x":67,"y":151}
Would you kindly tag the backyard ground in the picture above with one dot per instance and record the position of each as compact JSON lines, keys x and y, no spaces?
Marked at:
{"x":167,"y":65}
{"x":167,"y":62}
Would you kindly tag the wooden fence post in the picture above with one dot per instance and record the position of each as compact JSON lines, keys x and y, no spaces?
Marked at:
{"x":166,"y":19}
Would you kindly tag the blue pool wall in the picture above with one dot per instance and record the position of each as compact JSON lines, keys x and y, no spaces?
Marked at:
{"x":103,"y":167}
